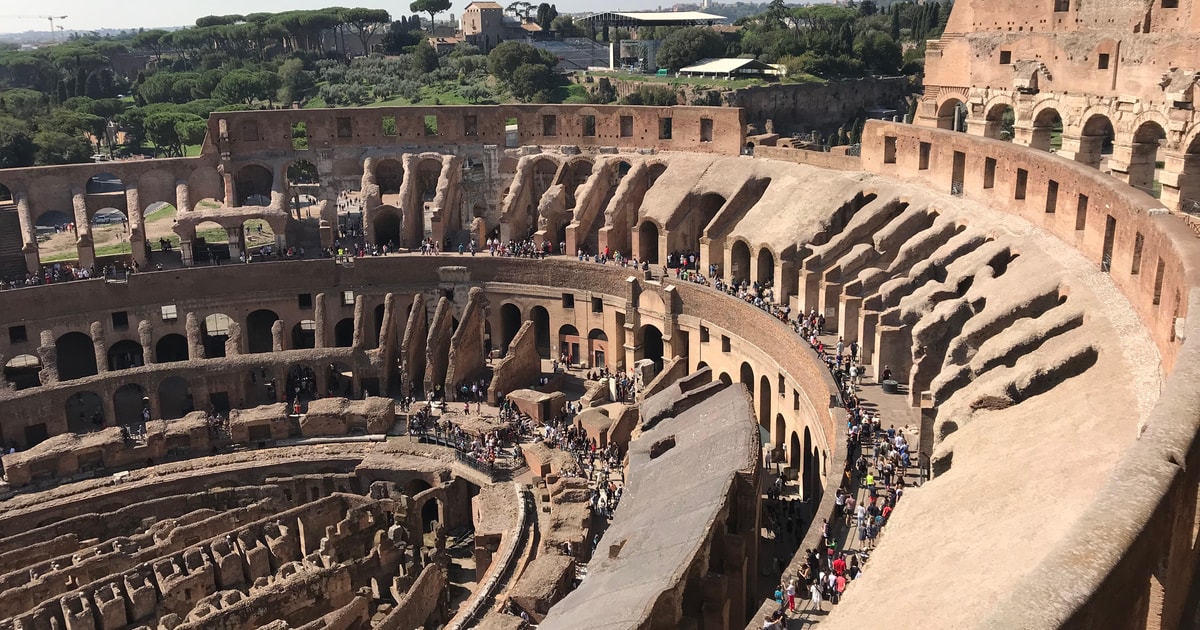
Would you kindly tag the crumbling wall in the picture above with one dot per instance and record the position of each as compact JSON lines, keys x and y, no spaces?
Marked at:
{"x":519,"y":368}
{"x":412,"y":348}
{"x":437,"y":346}
{"x":467,"y":356}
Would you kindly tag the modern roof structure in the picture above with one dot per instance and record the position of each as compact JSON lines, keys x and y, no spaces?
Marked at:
{"x":728,"y":67}
{"x":485,"y":5}
{"x":654,"y":18}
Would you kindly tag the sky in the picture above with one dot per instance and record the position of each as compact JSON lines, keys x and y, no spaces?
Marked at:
{"x":131,"y":14}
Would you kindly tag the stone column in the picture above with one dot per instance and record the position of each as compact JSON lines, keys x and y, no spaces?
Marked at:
{"x":235,"y":235}
{"x":100,"y":347}
{"x":279,"y":189}
{"x":277,"y":336}
{"x":233,"y":344}
{"x":1181,"y":182}
{"x":137,"y":228}
{"x":49,"y":357}
{"x":867,"y":322}
{"x":194,"y":337}
{"x":185,"y":253}
{"x":183,"y":196}
{"x":360,"y":323}
{"x":321,"y":340}
{"x":108,"y":409}
{"x":29,"y":245}
{"x":231,"y":198}
{"x":146,"y":338}
{"x":83,"y":230}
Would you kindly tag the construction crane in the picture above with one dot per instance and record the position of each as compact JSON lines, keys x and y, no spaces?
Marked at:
{"x":51,"y":18}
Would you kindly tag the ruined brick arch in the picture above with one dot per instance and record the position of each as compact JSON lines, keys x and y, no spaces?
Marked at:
{"x":649,"y":234}
{"x":124,"y":354}
{"x":1146,"y":140}
{"x":76,"y":355}
{"x":174,"y":397}
{"x":50,"y":193}
{"x":1097,"y":134}
{"x":994,"y":111}
{"x":128,"y":402}
{"x":205,"y":183}
{"x":739,"y":260}
{"x":171,"y":347}
{"x":389,"y":175}
{"x":386,"y":225}
{"x":510,"y":323}
{"x":1046,"y":119}
{"x":948,"y":115}
{"x":765,"y":265}
{"x":85,"y":412}
{"x":253,"y":182}
{"x":259,"y":336}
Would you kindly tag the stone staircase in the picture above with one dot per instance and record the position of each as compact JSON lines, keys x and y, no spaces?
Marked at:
{"x":12,"y":260}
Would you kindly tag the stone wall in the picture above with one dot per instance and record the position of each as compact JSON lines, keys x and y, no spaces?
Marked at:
{"x":519,"y":368}
{"x":467,"y":356}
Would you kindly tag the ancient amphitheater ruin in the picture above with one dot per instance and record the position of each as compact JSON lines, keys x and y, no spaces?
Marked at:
{"x":1031,"y":305}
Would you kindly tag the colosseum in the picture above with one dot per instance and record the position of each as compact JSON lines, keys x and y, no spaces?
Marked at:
{"x":590,"y":366}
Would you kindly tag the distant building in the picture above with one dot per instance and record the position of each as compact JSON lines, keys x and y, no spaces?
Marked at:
{"x":730,"y":69}
{"x":485,"y":25}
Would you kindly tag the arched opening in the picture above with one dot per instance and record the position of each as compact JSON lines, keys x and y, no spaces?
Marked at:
{"x":747,"y":378}
{"x":575,"y":174}
{"x":76,"y":356}
{"x":764,"y":402}
{"x":795,"y":453}
{"x":256,"y":234}
{"x":648,"y":242}
{"x":541,"y":329}
{"x":343,"y":333}
{"x":389,"y":176}
{"x":85,"y":412}
{"x":1189,"y":179}
{"x":125,"y":354}
{"x":56,"y":236}
{"x":157,"y":219}
{"x":766,"y":267}
{"x":806,"y":481}
{"x":211,"y":243}
{"x":258,"y":331}
{"x":739,"y":262}
{"x":1047,"y":130}
{"x":301,"y":384}
{"x":253,"y":183}
{"x":129,"y":404}
{"x":597,"y":347}
{"x":510,"y":325}
{"x":568,"y":343}
{"x":341,"y":382}
{"x":304,"y":335}
{"x":260,"y":387}
{"x":304,"y":185}
{"x":104,"y":183}
{"x":174,"y":398}
{"x":1143,"y":160}
{"x":110,"y":232}
{"x":544,"y":172}
{"x":23,"y":371}
{"x":379,"y":323}
{"x":1001,"y":122}
{"x":952,"y":114}
{"x":780,"y":430}
{"x":724,"y":378}
{"x":386,"y":227}
{"x":214,"y":332}
{"x":428,"y":172}
{"x":1096,"y":141}
{"x":685,"y":234}
{"x":652,"y":344}
{"x":430,"y":512}
{"x":170,"y":348}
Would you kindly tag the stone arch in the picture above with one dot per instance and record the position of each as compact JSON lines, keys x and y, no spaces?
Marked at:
{"x":541,"y":328}
{"x":389,"y":176}
{"x":809,"y":465}
{"x":171,"y":348}
{"x":343,"y":333}
{"x":304,"y":335}
{"x":510,"y":324}
{"x":205,"y":183}
{"x":386,"y":226}
{"x":746,"y":374}
{"x":101,"y":183}
{"x":1001,"y":119}
{"x":952,"y":114}
{"x":1143,"y":156}
{"x":689,"y":228}
{"x":253,"y":184}
{"x":597,"y":347}
{"x":1047,"y":128}
{"x":174,"y":398}
{"x":128,"y":403}
{"x":724,"y":378}
{"x":795,"y":453}
{"x":214,"y":332}
{"x":1189,"y":177}
{"x":258,"y":331}
{"x":76,"y":356}
{"x":766,"y":265}
{"x":739,"y":261}
{"x":23,"y":371}
{"x":301,"y":383}
{"x":780,"y":431}
{"x":378,"y":321}
{"x":125,"y":354}
{"x":568,"y":343}
{"x":764,"y":402}
{"x":652,"y":344}
{"x":648,"y":234}
{"x":85,"y":412}
{"x":1096,"y":137}
{"x":573,"y":174}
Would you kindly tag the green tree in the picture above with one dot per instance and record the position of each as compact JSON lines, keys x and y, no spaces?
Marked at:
{"x":171,"y":131}
{"x":896,"y":22}
{"x":432,"y":7}
{"x":475,"y":92}
{"x":424,"y":57}
{"x":245,"y":86}
{"x":56,"y":147}
{"x":689,"y":45}
{"x":505,"y":58}
{"x":295,"y":82}
{"x":401,"y":36}
{"x":533,"y":82}
{"x":546,"y":13}
{"x":366,"y":22}
{"x":23,"y":103}
{"x":16,"y":143}
{"x":565,"y":26}
{"x":880,"y":53}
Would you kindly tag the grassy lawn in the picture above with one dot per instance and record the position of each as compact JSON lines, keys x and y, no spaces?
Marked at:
{"x":570,"y":93}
